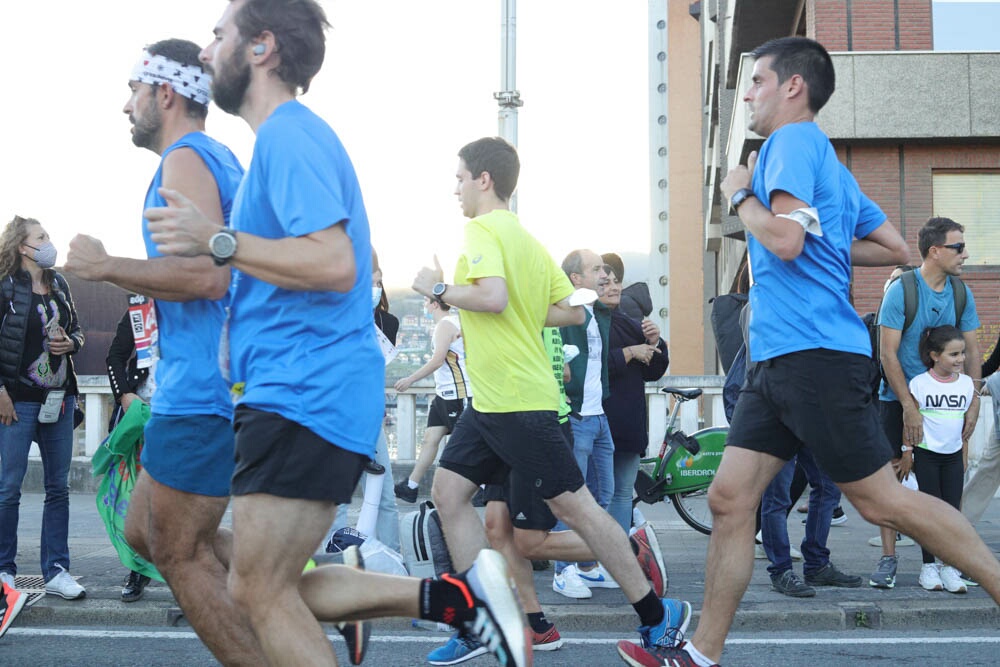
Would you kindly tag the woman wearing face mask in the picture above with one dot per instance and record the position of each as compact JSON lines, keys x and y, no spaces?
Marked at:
{"x":38,"y":335}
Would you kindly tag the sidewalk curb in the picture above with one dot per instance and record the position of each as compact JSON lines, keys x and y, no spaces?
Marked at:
{"x":949,"y":614}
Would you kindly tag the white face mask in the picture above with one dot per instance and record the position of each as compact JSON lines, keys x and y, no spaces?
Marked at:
{"x":376,"y":296}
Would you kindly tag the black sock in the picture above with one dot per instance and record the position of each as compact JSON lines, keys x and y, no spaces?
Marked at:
{"x":445,"y":600}
{"x":650,"y":610}
{"x":538,"y":622}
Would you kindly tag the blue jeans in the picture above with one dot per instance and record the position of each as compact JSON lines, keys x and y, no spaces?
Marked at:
{"x":387,"y":524}
{"x":626,"y":468}
{"x":55,"y":442}
{"x":594,"y":451}
{"x":823,"y":499}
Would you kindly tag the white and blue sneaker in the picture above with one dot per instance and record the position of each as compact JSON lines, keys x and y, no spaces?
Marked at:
{"x":597,"y":578}
{"x":499,"y":622}
{"x":569,"y":583}
{"x":670,"y":631}
{"x":458,"y":649}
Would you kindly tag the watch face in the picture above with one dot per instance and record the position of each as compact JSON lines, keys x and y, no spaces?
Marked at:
{"x":223,"y":245}
{"x":438,"y":289}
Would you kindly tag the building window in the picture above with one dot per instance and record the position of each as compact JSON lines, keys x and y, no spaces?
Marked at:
{"x":972,"y":199}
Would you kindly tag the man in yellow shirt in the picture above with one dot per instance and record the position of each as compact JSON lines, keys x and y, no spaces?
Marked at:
{"x":508,"y":288}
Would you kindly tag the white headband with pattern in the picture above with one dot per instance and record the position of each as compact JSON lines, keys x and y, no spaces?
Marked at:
{"x":191,"y":82}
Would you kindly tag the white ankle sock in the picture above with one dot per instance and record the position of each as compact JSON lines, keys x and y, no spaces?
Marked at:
{"x":697,"y":655}
{"x":413,"y":485}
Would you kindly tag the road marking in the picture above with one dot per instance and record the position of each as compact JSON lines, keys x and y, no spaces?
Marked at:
{"x":442,"y":638}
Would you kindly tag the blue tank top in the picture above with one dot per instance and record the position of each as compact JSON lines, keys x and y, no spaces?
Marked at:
{"x":188,"y":379}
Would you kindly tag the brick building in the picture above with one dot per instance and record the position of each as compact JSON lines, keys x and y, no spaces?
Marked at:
{"x":918,"y":128}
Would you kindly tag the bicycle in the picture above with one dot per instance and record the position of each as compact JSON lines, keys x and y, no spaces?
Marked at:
{"x":684,"y":468}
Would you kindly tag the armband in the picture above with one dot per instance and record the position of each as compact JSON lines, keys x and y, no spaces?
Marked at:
{"x":808,"y":218}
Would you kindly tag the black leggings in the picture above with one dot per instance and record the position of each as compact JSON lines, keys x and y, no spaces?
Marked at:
{"x":941,"y":476}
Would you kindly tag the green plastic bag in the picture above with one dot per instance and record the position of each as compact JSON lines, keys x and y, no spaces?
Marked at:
{"x":116,"y":461}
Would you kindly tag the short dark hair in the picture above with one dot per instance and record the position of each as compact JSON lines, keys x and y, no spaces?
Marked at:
{"x":186,"y":53}
{"x":498,"y":158}
{"x":934,"y":232}
{"x":805,"y":57}
{"x":299,"y":29}
{"x":933,"y":339}
{"x":614,"y":262}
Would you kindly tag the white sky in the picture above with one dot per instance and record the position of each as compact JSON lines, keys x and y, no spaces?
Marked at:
{"x":405,"y":85}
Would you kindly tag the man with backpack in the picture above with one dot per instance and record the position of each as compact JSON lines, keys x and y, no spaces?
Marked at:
{"x":930,"y":296}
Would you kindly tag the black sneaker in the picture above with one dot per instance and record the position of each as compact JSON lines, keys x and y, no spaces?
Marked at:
{"x":828,"y":575}
{"x":355,"y":633}
{"x":373,"y":468}
{"x":404,"y":492}
{"x":788,"y":583}
{"x":134,"y":587}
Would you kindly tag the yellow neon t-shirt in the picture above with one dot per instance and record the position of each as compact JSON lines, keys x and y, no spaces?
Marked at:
{"x":505,"y":356}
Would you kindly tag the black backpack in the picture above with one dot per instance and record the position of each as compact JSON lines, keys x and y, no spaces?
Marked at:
{"x":911,"y":299}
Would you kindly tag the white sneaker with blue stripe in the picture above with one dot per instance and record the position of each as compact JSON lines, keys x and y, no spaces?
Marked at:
{"x":597,"y":578}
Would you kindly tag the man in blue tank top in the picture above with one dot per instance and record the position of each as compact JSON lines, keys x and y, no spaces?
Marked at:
{"x":300,"y":326}
{"x":807,"y":224}
{"x":187,"y":459}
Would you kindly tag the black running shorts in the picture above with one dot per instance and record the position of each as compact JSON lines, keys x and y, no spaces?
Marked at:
{"x":817,"y":398}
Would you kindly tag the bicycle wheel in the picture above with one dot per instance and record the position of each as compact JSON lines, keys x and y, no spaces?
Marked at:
{"x":692,"y":506}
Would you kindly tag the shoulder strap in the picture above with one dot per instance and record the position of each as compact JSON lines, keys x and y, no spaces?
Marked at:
{"x":911,"y":298}
{"x":960,"y":297}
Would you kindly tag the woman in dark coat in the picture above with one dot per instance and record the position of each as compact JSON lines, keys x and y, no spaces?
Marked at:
{"x":636,"y":355}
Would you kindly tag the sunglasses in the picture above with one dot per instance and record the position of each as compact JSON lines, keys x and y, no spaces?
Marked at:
{"x":957,"y":247}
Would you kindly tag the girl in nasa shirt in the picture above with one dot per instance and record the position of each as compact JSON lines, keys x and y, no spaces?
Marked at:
{"x":943,"y":395}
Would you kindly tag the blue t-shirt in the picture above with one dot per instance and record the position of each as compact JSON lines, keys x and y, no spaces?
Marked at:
{"x":311,"y":357}
{"x":803,"y":304}
{"x":934,"y":309}
{"x":188,"y":380}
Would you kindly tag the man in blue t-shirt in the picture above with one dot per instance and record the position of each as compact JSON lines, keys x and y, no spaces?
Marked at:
{"x":187,"y":457}
{"x":304,"y":359}
{"x":942,"y":248}
{"x":807,"y":223}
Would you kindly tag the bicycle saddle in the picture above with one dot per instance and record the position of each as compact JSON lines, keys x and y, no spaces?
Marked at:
{"x":686,"y":394}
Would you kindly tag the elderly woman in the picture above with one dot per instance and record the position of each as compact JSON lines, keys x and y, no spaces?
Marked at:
{"x":39,"y":333}
{"x":637,"y":355}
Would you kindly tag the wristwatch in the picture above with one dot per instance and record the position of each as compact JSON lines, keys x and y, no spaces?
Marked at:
{"x":740,"y":196}
{"x":438,"y":290}
{"x":223,"y":246}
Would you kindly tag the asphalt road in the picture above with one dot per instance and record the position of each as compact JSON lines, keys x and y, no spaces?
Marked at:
{"x":155,"y":647}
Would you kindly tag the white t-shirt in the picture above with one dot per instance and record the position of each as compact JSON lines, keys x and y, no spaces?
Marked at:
{"x":593,"y":392}
{"x":943,"y":406}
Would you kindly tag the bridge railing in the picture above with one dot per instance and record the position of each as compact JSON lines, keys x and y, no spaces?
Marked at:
{"x":406,"y":414}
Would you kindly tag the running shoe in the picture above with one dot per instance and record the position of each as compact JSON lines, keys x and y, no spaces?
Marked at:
{"x":656,"y":656}
{"x":647,"y":551}
{"x":839,"y":517}
{"x":458,"y":649}
{"x":11,"y":603}
{"x":65,"y":586}
{"x":404,"y":492}
{"x":884,"y":575}
{"x":930,"y":577}
{"x":498,"y":622}
{"x":355,"y":633}
{"x":670,"y":631}
{"x":597,"y":578}
{"x":546,"y":641}
{"x":569,"y":583}
{"x":951,"y":580}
